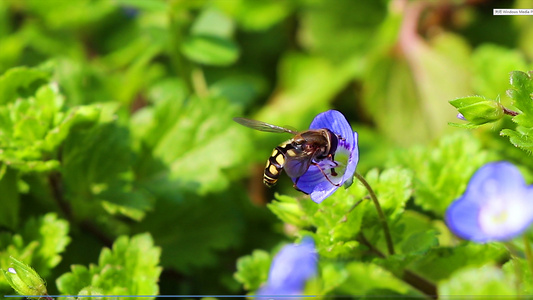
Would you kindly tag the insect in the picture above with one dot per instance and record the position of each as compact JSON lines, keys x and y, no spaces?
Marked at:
{"x":296,"y":155}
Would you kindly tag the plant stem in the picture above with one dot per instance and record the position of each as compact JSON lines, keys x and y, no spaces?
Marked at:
{"x":529,"y":253}
{"x":425,"y":286}
{"x":510,"y":112}
{"x":381,"y":215}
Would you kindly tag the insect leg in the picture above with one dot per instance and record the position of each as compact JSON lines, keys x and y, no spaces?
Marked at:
{"x":326,"y":175}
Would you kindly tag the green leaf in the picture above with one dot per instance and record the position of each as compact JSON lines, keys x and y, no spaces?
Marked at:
{"x":332,"y":275}
{"x":146,"y":5}
{"x":210,"y":50}
{"x":442,"y":172}
{"x":212,"y":22}
{"x":439,"y":263}
{"x":129,"y":268}
{"x":522,"y":137}
{"x":492,"y":65}
{"x":393,"y":188}
{"x":104,"y":154}
{"x":408,"y":92}
{"x":39,"y":243}
{"x":252,"y":270}
{"x":521,"y":93}
{"x":256,"y":15}
{"x":205,"y":226}
{"x":10,"y":195}
{"x":420,"y":242}
{"x":372,"y":280}
{"x":351,"y":24}
{"x":288,"y":210}
{"x":480,"y":281}
{"x":52,"y":235}
{"x":478,"y":110}
{"x":337,"y":224}
{"x":24,"y":280}
{"x":195,"y":147}
{"x":518,"y":270}
{"x":20,"y":82}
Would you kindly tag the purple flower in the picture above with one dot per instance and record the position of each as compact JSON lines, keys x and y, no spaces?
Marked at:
{"x":346,"y":156}
{"x":497,"y":205}
{"x":290,"y":269}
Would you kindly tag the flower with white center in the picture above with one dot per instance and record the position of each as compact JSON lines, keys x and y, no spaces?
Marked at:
{"x":496,"y":206}
{"x":341,"y":169}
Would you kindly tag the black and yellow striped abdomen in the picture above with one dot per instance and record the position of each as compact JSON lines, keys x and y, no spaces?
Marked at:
{"x":275,"y":164}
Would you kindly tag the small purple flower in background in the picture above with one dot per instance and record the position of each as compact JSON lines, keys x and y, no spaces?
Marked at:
{"x":290,"y":269}
{"x":346,"y":156}
{"x":496,"y":206}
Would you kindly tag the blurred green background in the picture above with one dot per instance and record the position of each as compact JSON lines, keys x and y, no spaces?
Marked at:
{"x":157,"y":84}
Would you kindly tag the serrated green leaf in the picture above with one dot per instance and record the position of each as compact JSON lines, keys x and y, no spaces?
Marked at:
{"x":492,"y":65}
{"x":372,"y":280}
{"x":441,"y":173}
{"x":38,"y":244}
{"x":204,"y":226}
{"x":522,"y":92}
{"x":332,"y":275}
{"x":288,"y":210}
{"x":522,"y":137}
{"x":20,"y":82}
{"x":337,"y":220}
{"x":439,"y":263}
{"x":393,"y":188}
{"x":519,"y":271}
{"x":52,"y":235}
{"x":256,"y":15}
{"x":210,"y":50}
{"x":212,"y":22}
{"x":9,"y":214}
{"x":420,"y":242}
{"x":129,"y":268}
{"x":252,"y":270}
{"x":485,"y":281}
{"x":195,"y":145}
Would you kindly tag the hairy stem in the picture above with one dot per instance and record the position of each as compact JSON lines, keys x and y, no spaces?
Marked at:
{"x":510,"y":112}
{"x":381,"y":215}
{"x":529,"y":253}
{"x":423,"y":285}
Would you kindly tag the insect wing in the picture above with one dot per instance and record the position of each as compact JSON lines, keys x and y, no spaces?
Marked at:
{"x":262,"y":126}
{"x":296,"y":166}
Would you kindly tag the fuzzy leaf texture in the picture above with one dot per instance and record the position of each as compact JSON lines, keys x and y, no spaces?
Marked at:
{"x":129,"y":268}
{"x":39,"y":243}
{"x":252,"y":270}
{"x":441,"y":172}
{"x":522,"y":95}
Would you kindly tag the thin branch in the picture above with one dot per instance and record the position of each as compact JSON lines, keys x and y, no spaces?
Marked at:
{"x":381,"y":215}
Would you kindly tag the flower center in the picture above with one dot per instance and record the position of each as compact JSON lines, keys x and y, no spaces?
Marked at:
{"x":499,"y":217}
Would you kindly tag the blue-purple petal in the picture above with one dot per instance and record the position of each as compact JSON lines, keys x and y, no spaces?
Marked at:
{"x":494,"y":179}
{"x":462,"y":219}
{"x":336,"y":122}
{"x":291,"y":268}
{"x":314,"y":182}
{"x":497,"y":205}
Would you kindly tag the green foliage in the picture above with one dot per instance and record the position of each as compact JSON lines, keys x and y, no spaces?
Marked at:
{"x":478,"y":110}
{"x":484,"y":281}
{"x":24,"y":280}
{"x":442,"y":171}
{"x":522,"y":95}
{"x":252,"y":270}
{"x":129,"y":268}
{"x":38,"y":243}
{"x":119,"y":122}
